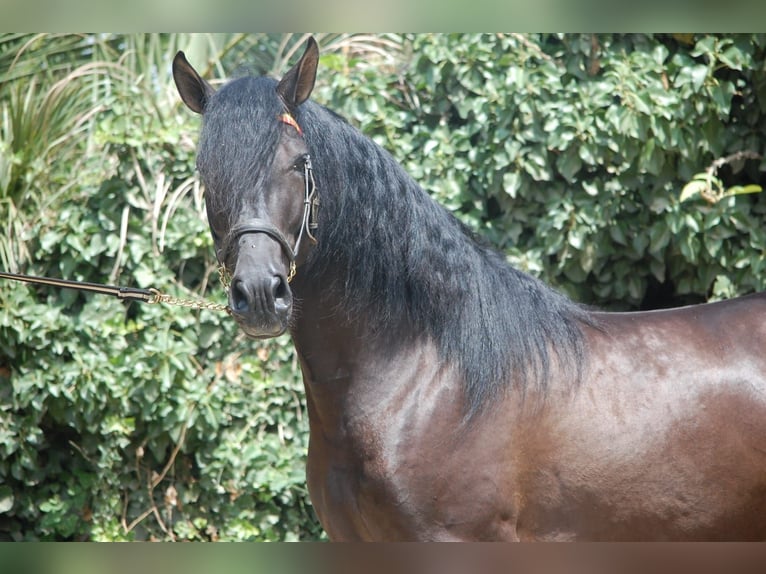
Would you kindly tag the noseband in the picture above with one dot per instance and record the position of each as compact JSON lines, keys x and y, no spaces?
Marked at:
{"x":309,"y":224}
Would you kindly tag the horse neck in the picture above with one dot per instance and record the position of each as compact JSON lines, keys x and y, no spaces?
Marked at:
{"x":351,"y":372}
{"x":394,"y":274}
{"x":328,"y":341}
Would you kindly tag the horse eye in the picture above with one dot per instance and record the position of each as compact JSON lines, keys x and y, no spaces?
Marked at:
{"x":299,"y":164}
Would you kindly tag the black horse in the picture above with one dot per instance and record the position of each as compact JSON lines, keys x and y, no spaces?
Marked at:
{"x":450,"y":396}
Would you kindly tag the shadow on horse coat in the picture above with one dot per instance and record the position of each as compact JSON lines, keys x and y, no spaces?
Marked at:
{"x":450,"y":396}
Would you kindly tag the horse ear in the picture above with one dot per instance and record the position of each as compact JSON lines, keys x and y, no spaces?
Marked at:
{"x":194,"y":91}
{"x":296,"y":85}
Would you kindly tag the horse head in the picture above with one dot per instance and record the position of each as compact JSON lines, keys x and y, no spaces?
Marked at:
{"x":260,"y":194}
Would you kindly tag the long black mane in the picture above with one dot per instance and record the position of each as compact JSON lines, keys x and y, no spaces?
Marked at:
{"x":399,"y":260}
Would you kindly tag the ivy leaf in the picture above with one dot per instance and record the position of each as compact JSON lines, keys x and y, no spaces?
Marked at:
{"x":569,"y":163}
{"x":692,"y":189}
{"x":732,"y":57}
{"x":6,"y":499}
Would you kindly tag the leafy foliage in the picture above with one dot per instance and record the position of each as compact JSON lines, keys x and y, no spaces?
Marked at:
{"x":138,"y":422}
{"x":570,"y":152}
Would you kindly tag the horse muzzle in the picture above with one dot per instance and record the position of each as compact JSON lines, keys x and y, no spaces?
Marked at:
{"x":260,"y":298}
{"x":261,"y":304}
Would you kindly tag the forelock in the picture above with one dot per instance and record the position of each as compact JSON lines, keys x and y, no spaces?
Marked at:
{"x":239,"y":136}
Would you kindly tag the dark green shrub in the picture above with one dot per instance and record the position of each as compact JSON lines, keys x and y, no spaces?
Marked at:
{"x":136,"y":421}
{"x":571,"y":152}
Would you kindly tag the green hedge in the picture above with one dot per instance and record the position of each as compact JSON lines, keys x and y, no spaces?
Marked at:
{"x":571,"y":153}
{"x":129,"y":421}
{"x":137,"y":421}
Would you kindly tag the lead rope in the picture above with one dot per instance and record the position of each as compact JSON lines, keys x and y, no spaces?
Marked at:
{"x":151,"y":295}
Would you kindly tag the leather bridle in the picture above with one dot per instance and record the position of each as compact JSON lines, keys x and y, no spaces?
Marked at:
{"x":309,"y":224}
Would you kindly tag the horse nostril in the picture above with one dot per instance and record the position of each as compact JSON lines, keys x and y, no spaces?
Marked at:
{"x":282,"y":297}
{"x":239,"y":299}
{"x":278,"y":287}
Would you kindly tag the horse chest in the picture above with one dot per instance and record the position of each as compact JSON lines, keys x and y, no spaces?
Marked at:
{"x":367,"y":474}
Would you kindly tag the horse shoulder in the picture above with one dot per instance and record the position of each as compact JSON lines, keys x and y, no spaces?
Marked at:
{"x":401,"y":463}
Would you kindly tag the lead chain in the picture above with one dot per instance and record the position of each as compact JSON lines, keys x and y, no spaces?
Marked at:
{"x":188,"y":303}
{"x":223,"y":275}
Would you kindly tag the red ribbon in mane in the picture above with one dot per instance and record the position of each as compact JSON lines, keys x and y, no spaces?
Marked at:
{"x":286,"y":118}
